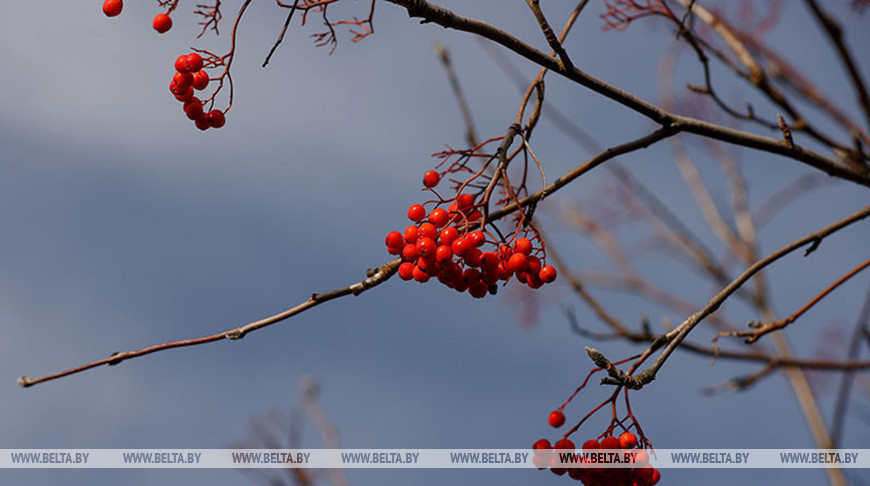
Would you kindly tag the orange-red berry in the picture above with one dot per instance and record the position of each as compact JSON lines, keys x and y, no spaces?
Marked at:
{"x":416,"y":213}
{"x":200,"y":80}
{"x":431,"y":178}
{"x":547,"y":274}
{"x":162,"y":23}
{"x":556,"y":419}
{"x":112,"y":7}
{"x":627,"y":440}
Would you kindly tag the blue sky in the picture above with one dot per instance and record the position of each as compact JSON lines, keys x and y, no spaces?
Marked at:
{"x":124,"y":226}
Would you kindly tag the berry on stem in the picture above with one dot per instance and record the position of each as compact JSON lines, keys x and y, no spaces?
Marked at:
{"x":216,"y":119}
{"x":438,"y":217}
{"x":416,"y":213}
{"x":627,"y":440}
{"x":556,"y":419}
{"x":162,"y":23}
{"x":547,"y":274}
{"x":406,"y":271}
{"x":431,"y":178}
{"x":200,"y":80}
{"x":523,"y":245}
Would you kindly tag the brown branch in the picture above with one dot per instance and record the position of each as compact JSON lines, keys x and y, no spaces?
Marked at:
{"x":621,"y":331}
{"x":741,"y":383}
{"x":555,"y":44}
{"x":760,"y":329}
{"x":375,"y":278}
{"x":676,"y":336}
{"x":448,"y":19}
{"x":281,"y":35}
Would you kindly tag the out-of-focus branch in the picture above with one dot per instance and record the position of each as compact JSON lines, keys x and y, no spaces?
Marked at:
{"x":835,"y":33}
{"x":470,"y":132}
{"x":862,"y":330}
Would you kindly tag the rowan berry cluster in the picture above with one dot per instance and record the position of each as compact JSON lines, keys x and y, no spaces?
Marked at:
{"x":441,"y":244}
{"x":640,"y":474}
{"x":189,"y":76}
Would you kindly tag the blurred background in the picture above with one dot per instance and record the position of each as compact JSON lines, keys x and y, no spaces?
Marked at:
{"x":124,"y":226}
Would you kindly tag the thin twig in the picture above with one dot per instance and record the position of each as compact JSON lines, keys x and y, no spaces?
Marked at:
{"x":376,"y":277}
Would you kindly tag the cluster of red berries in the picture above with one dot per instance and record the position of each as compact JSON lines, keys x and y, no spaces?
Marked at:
{"x":642,"y":474}
{"x":435,"y":247}
{"x":189,"y":76}
{"x":162,"y":22}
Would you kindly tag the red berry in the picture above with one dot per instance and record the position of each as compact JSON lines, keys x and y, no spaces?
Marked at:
{"x":200,"y":80}
{"x":564,"y":444}
{"x":194,"y":62}
{"x":428,"y":230}
{"x":394,"y":240}
{"x":517,"y":263}
{"x":542,"y":444}
{"x":472,"y":257}
{"x":443,"y":253}
{"x":182,"y":80}
{"x":547,"y":274}
{"x":193,"y":108}
{"x":523,"y":245}
{"x":416,"y":213}
{"x":448,"y":235}
{"x":438,"y":217}
{"x":185,"y":96}
{"x":162,"y":23}
{"x":426,"y":246}
{"x":420,"y":275}
{"x":411,"y":252}
{"x":460,"y":246}
{"x":656,"y":476}
{"x":478,"y":290}
{"x":188,"y":63}
{"x":202,"y":123}
{"x":477,"y":238}
{"x":112,"y":7}
{"x":627,"y":440}
{"x":541,"y":460}
{"x":428,"y":264}
{"x":406,"y":271}
{"x":578,"y":473}
{"x":489,"y":261}
{"x":216,"y":118}
{"x":591,"y":445}
{"x":181,"y":64}
{"x":411,"y":234}
{"x":647,"y":476}
{"x":556,"y":419}
{"x":610,"y":442}
{"x":431,"y":178}
{"x":534,"y":265}
{"x":464,"y":201}
{"x":502,"y":273}
{"x":534,"y":281}
{"x":471,"y":276}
